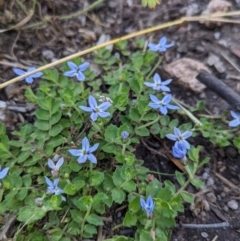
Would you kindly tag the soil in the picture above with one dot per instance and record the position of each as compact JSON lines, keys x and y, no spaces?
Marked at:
{"x":37,"y":42}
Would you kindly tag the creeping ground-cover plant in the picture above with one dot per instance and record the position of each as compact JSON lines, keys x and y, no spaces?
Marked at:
{"x":65,"y":174}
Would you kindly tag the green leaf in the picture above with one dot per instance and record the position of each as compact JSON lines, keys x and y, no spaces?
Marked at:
{"x":94,"y":219}
{"x":70,"y":189}
{"x":30,"y":214}
{"x":23,"y":156}
{"x":96,"y":178}
{"x":142,"y":132}
{"x":84,"y":203}
{"x":45,"y":103}
{"x":42,"y":114}
{"x":111,"y":133}
{"x":27,"y":181}
{"x":193,"y":153}
{"x":56,"y":201}
{"x":129,"y":220}
{"x":22,"y":194}
{"x":134,"y":114}
{"x":88,"y":228}
{"x":42,"y":125}
{"x":56,"y":129}
{"x":187,"y":197}
{"x":129,"y":186}
{"x":164,"y":120}
{"x":180,"y":178}
{"x":55,"y":118}
{"x":118,"y":195}
{"x":203,"y":162}
{"x":76,"y":215}
{"x":197,"y":183}
{"x":100,"y":197}
{"x":30,"y":95}
{"x":117,"y":178}
{"x":150,"y":117}
{"x":75,"y":166}
{"x":134,"y":205}
{"x":153,"y":188}
{"x":4,"y":152}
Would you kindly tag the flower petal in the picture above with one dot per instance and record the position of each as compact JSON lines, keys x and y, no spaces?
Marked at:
{"x":235,"y":114}
{"x":168,"y":45}
{"x":29,"y":79}
{"x":103,"y":114}
{"x":163,"y":41}
{"x":82,"y":159}
{"x":166,"y":99}
{"x":172,"y":107}
{"x":164,"y":88}
{"x":234,"y":123}
{"x":92,"y":102}
{"x":80,"y":76}
{"x":186,"y":134}
{"x":60,"y":162}
{"x":70,"y":73}
{"x":166,"y":82}
{"x":85,"y":108}
{"x":104,"y":105}
{"x":92,"y":158}
{"x":94,"y":116}
{"x":157,"y":78}
{"x":51,"y":164}
{"x":55,"y":182}
{"x":154,"y":105}
{"x":153,"y":47}
{"x":18,"y":71}
{"x":171,"y":137}
{"x":83,"y":66}
{"x":72,"y":66}
{"x":149,"y":84}
{"x":93,"y":148}
{"x":154,"y":99}
{"x":163,"y":110}
{"x":49,"y":182}
{"x":177,"y":132}
{"x":75,"y":152}
{"x":85,"y":144}
{"x":4,"y":172}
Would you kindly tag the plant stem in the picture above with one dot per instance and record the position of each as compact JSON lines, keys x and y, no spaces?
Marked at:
{"x":149,"y":123}
{"x":161,"y":173}
{"x":96,"y":126}
{"x":84,"y":219}
{"x":155,"y":67}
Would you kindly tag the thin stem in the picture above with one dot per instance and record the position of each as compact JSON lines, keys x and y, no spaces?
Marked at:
{"x":210,"y":18}
{"x":22,"y":7}
{"x":84,"y":219}
{"x":161,"y":173}
{"x":211,"y":225}
{"x":149,"y":123}
{"x":123,"y":149}
{"x":155,"y":67}
{"x":96,"y":126}
{"x":117,"y":226}
{"x":188,"y":113}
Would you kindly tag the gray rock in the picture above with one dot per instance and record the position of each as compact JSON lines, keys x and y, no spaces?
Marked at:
{"x":233,"y":204}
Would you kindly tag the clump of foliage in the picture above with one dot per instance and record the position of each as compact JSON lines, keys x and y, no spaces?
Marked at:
{"x":61,"y":174}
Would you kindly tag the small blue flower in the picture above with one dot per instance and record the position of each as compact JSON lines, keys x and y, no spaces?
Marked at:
{"x":97,"y":110}
{"x":179,"y":151}
{"x":55,"y":167}
{"x":124,"y":135}
{"x":162,"y":46}
{"x":163,"y":105}
{"x":3,"y":172}
{"x":30,"y":78}
{"x":236,"y":121}
{"x":158,"y":83}
{"x":86,"y":152}
{"x":53,"y":187}
{"x":76,"y":70}
{"x":180,"y":137}
{"x":147,"y":206}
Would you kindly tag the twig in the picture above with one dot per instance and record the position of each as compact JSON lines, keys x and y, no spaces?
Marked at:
{"x":100,"y":236}
{"x":198,"y":226}
{"x":230,"y":61}
{"x":230,"y":184}
{"x":211,"y":18}
{"x":215,"y":238}
{"x":220,"y":88}
{"x":7,"y":226}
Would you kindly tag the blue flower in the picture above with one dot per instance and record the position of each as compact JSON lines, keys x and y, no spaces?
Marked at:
{"x":3,"y":172}
{"x":30,"y":78}
{"x":76,"y":70}
{"x":158,"y":83}
{"x":55,"y":167}
{"x":236,"y":121}
{"x":180,"y":137}
{"x":86,"y":152}
{"x":124,"y":135}
{"x":97,"y":110}
{"x":163,"y":105}
{"x":179,"y":151}
{"x":147,"y":206}
{"x":162,"y":46}
{"x":53,"y":187}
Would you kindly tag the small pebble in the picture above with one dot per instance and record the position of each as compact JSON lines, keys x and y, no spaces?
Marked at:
{"x":204,"y":234}
{"x":233,"y":204}
{"x":210,"y":182}
{"x":211,"y":197}
{"x":205,"y":175}
{"x":217,"y":35}
{"x":206,"y":205}
{"x":225,"y":208}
